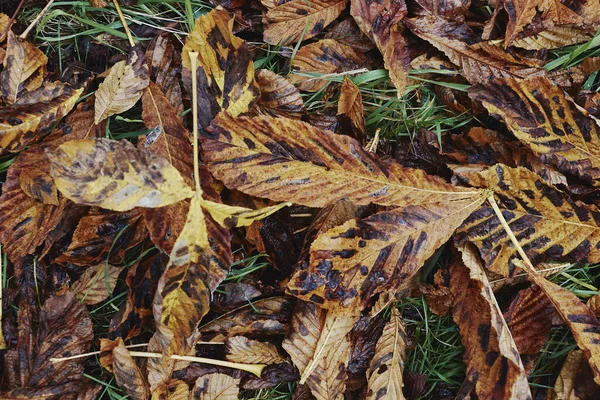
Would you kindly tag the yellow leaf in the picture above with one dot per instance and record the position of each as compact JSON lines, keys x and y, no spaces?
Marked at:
{"x":115,"y":175}
{"x":123,"y":86}
{"x":216,"y":387}
{"x":39,"y":185}
{"x":243,"y":350}
{"x":232,"y":216}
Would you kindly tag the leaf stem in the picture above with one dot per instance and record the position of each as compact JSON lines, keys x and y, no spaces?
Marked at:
{"x":193,"y":60}
{"x":122,"y":17}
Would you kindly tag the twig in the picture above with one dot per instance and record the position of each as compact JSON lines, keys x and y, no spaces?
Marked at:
{"x":122,"y":17}
{"x":193,"y":60}
{"x":36,"y":20}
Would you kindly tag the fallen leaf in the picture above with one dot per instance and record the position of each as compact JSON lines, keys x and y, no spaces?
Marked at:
{"x":39,"y":185}
{"x":116,"y":359}
{"x":278,"y":97}
{"x":243,"y":350}
{"x":575,"y":380}
{"x":96,"y":284}
{"x":298,"y":20}
{"x":115,"y":175}
{"x":123,"y":86}
{"x":351,"y":112}
{"x":450,"y":10}
{"x":216,"y":387}
{"x":232,"y":216}
{"x":347,"y":32}
{"x":554,"y":37}
{"x":164,"y":69}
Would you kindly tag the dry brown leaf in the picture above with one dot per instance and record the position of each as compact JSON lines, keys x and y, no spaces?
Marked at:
{"x":225,"y":71}
{"x":21,"y":63}
{"x":278,"y":97}
{"x":574,"y":381}
{"x":385,"y":374}
{"x":544,"y":118}
{"x":450,"y":10}
{"x":216,"y":387}
{"x":594,"y":304}
{"x":123,"y":86}
{"x":351,"y":112}
{"x":39,"y":185}
{"x":116,"y":359}
{"x":297,"y":20}
{"x":96,"y":284}
{"x":491,"y":355}
{"x":554,"y":37}
{"x":347,"y":32}
{"x":243,"y":350}
{"x":314,"y":62}
{"x":115,"y":175}
{"x":164,"y":68}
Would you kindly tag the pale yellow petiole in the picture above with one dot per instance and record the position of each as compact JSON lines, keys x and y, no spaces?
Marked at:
{"x":193,"y":61}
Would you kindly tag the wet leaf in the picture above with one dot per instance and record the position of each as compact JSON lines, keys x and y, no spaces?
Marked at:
{"x":115,"y":175}
{"x":491,"y":355}
{"x":96,"y":284}
{"x":298,"y":20}
{"x":123,"y":86}
{"x":386,"y":371}
{"x":117,"y":360}
{"x":225,"y":70}
{"x":278,"y":97}
{"x":351,"y":112}
{"x":243,"y":350}
{"x":216,"y":387}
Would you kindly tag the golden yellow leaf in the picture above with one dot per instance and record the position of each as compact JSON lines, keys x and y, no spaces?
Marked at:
{"x":96,"y":284}
{"x":385,"y":373}
{"x":216,"y":387}
{"x":123,"y":86}
{"x":4,"y":21}
{"x":313,"y":62}
{"x":39,"y":185}
{"x":233,"y":216}
{"x":21,"y":62}
{"x":115,"y":175}
{"x":243,"y":350}
{"x":225,"y":70}
{"x":278,"y":97}
{"x":351,"y":112}
{"x":565,"y":385}
{"x":297,"y":20}
{"x":543,"y":118}
{"x":115,"y":358}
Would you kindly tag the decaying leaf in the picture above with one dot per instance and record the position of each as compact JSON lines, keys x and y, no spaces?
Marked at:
{"x":320,"y":348}
{"x":39,"y":185}
{"x":543,"y":118}
{"x":278,"y":97}
{"x":164,"y":69}
{"x":313,"y":62}
{"x":385,"y":374}
{"x":216,"y":387}
{"x":96,"y":284}
{"x":225,"y":70}
{"x":351,"y":112}
{"x":123,"y":177}
{"x":491,"y":355}
{"x":243,"y":350}
{"x":123,"y":86}
{"x":232,"y":216}
{"x":574,"y":381}
{"x":298,"y":20}
{"x":554,"y":37}
{"x":23,"y":64}
{"x":116,"y":359}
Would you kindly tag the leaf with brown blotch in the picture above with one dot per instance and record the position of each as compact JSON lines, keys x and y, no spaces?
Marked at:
{"x":594,"y":304}
{"x":543,"y":118}
{"x":320,"y":348}
{"x":548,"y":224}
{"x":264,"y":317}
{"x":298,"y":20}
{"x":351,"y":112}
{"x":123,"y":86}
{"x":96,"y":284}
{"x":164,"y":69}
{"x":115,"y":175}
{"x":575,"y":380}
{"x":93,"y":241}
{"x":225,"y":71}
{"x":554,"y":37}
{"x":322,"y":58}
{"x":347,"y":32}
{"x":479,"y":62}
{"x":450,"y":10}
{"x":39,"y":185}
{"x":243,"y":350}
{"x":116,"y":359}
{"x":491,"y":355}
{"x":21,"y":62}
{"x":520,"y":13}
{"x":31,"y":117}
{"x":288,"y":160}
{"x":385,"y":374}
{"x":216,"y":387}
{"x":381,"y":21}
{"x":235,"y":217}
{"x":278,"y":97}
{"x":352,"y":262}
{"x":484,"y":146}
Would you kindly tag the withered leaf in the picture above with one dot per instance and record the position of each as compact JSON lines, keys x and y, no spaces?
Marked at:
{"x":243,"y":350}
{"x":575,"y":380}
{"x":385,"y":374}
{"x":117,"y":360}
{"x":164,"y":68}
{"x":288,"y":160}
{"x":278,"y":97}
{"x":225,"y":71}
{"x":297,"y":20}
{"x":491,"y":355}
{"x":321,"y":58}
{"x":381,"y":21}
{"x":450,"y":10}
{"x":216,"y":387}
{"x":233,"y":216}
{"x":21,"y":62}
{"x":123,"y":86}
{"x":115,"y":175}
{"x":96,"y":284}
{"x":548,"y":224}
{"x":39,"y":185}
{"x":351,"y":112}
{"x":542,"y":117}
{"x":554,"y":37}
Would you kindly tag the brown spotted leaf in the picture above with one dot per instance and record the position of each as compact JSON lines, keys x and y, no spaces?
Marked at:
{"x":298,"y":20}
{"x":123,"y":86}
{"x":381,"y":21}
{"x":39,"y":185}
{"x":313,"y":62}
{"x":278,"y":97}
{"x":351,"y":112}
{"x":117,"y":360}
{"x":543,"y":118}
{"x":243,"y":350}
{"x":385,"y":374}
{"x":21,"y":64}
{"x":216,"y":387}
{"x":225,"y":71}
{"x":288,"y":160}
{"x":164,"y":69}
{"x":491,"y":355}
{"x":115,"y":175}
{"x":554,"y":37}
{"x":96,"y":284}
